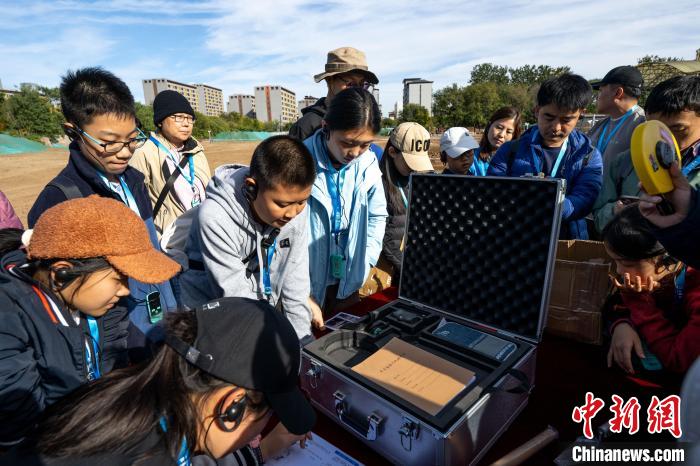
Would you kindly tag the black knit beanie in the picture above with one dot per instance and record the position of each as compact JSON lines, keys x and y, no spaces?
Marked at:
{"x":169,"y":102}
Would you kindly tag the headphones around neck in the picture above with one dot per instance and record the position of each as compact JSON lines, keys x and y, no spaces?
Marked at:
{"x":231,"y":414}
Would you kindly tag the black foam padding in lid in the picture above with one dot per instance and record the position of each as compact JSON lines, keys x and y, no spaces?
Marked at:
{"x":481,"y":248}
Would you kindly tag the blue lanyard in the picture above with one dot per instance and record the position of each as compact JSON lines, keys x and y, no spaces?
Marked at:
{"x":93,"y":365}
{"x":692,"y":165}
{"x":680,"y":285}
{"x":536,"y":160}
{"x":183,"y":458}
{"x":602,"y":140}
{"x":334,"y":188}
{"x":174,"y":159}
{"x":403,"y":196}
{"x":125,"y":194}
{"x":267,"y":284}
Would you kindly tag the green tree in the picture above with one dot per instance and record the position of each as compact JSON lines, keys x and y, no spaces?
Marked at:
{"x":646,"y":59}
{"x":480,"y":101}
{"x":530,"y":75}
{"x":416,"y":113}
{"x":448,"y":107}
{"x":389,"y":123}
{"x":29,"y":114}
{"x":518,"y":96}
{"x":144,"y":113}
{"x":489,"y":73}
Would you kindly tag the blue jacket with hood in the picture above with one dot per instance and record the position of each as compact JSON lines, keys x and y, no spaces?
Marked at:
{"x":83,"y":176}
{"x":582,"y":168}
{"x":365,"y":204}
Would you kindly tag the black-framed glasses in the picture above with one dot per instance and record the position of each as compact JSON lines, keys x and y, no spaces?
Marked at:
{"x":182,"y":118}
{"x":366,"y":85}
{"x":111,"y":148}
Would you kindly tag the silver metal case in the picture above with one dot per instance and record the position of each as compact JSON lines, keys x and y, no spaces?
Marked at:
{"x":503,"y":232}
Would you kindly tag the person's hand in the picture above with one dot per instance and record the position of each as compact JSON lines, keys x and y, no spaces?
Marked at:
{"x":679,"y":198}
{"x":636,"y":284}
{"x":316,"y":315}
{"x":618,"y":207}
{"x":625,"y":339}
{"x":280,"y":439}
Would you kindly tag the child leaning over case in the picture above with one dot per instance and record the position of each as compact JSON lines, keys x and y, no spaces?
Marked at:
{"x":659,"y":298}
{"x":249,"y":237}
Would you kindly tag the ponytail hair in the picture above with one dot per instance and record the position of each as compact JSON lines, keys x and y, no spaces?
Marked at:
{"x":353,"y":108}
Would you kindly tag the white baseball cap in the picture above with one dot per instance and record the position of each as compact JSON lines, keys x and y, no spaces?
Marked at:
{"x":456,"y":141}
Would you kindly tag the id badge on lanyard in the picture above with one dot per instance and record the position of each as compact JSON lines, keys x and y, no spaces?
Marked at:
{"x":338,"y":261}
{"x":92,"y":358}
{"x":560,"y":157}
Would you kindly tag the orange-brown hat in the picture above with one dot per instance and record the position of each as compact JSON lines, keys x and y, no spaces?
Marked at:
{"x":100,"y":227}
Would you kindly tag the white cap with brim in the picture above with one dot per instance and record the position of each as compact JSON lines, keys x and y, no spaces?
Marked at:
{"x":456,"y":141}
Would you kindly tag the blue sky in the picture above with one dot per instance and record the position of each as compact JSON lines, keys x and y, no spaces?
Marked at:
{"x":235,"y":45}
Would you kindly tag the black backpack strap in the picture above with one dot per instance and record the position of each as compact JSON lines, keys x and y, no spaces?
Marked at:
{"x":170,"y":183}
{"x":511,"y":155}
{"x":66,"y":186}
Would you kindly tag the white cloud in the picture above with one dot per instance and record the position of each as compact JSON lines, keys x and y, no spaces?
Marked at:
{"x":240,"y":44}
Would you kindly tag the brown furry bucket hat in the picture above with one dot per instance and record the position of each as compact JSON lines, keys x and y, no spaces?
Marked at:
{"x":96,"y":226}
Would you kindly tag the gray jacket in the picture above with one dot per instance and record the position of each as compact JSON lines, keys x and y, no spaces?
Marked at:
{"x":224,"y":233}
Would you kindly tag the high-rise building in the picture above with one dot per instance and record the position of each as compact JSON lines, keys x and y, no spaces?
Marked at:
{"x":210,"y":100}
{"x":418,"y":91}
{"x":152,"y":87}
{"x":375,"y":94}
{"x":242,"y":104}
{"x":275,"y":103}
{"x":307,"y":101}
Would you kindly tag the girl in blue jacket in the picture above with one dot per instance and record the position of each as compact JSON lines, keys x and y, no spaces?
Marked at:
{"x":59,"y":327}
{"x":347,"y":208}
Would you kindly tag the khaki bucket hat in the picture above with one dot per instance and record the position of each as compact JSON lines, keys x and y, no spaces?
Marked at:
{"x":344,"y":60}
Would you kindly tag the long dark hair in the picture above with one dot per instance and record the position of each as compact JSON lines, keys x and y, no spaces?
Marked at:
{"x":511,"y":113}
{"x":122,"y":408}
{"x":353,"y":108}
{"x":389,"y":176}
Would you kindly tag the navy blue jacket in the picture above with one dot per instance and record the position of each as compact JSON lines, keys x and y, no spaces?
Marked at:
{"x":681,"y":241}
{"x":85,"y":177}
{"x":582,"y":168}
{"x":42,"y":349}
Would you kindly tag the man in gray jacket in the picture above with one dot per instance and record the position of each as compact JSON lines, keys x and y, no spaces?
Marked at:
{"x":249,"y":237}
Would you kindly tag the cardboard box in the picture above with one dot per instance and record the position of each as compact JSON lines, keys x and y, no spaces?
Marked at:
{"x":579,"y":288}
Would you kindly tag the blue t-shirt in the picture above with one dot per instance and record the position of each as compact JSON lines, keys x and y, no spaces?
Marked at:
{"x":479,"y":167}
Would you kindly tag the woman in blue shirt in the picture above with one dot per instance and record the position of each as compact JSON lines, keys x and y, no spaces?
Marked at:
{"x":503,"y":126}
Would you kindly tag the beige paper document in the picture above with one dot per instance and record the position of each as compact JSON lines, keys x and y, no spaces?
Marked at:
{"x":419,"y":377}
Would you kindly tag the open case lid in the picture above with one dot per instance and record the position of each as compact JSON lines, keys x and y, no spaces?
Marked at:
{"x":483,"y":248}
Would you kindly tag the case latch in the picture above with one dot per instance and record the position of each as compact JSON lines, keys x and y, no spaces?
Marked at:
{"x":314,"y":373}
{"x":409,"y":430}
{"x":367,"y":428}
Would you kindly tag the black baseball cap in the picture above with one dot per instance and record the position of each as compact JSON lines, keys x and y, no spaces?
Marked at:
{"x":627,"y":76}
{"x":249,"y":344}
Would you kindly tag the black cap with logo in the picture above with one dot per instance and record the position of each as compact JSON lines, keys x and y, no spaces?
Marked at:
{"x":627,"y":76}
{"x":249,"y":344}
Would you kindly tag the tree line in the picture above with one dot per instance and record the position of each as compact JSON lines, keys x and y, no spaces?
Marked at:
{"x":34,"y":113}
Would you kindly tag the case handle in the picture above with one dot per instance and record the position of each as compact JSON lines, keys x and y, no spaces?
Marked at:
{"x":367,"y":428}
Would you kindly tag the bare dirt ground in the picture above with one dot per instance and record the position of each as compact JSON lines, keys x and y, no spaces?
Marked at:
{"x":23,"y":176}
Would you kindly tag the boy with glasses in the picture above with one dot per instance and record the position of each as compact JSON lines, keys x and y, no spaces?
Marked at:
{"x":345,"y":67}
{"x":101,"y":123}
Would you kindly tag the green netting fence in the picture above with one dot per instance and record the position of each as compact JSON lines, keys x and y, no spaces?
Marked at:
{"x":14,"y":145}
{"x":244,"y":135}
